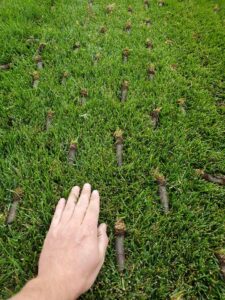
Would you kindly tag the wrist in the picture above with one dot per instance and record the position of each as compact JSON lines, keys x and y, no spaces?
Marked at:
{"x":45,"y":289}
{"x":54,"y":289}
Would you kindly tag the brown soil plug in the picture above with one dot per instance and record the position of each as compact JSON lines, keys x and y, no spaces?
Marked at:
{"x":151,"y":72}
{"x":128,"y":26}
{"x":31,"y":40}
{"x":220,"y":254}
{"x":169,"y":42}
{"x":76,"y":46}
{"x":65,"y":76}
{"x":125,"y":55}
{"x":218,"y":179}
{"x":149,"y":44}
{"x":174,"y":67}
{"x":148,"y":22}
{"x":124,"y":90}
{"x":155,"y":117}
{"x":109,"y":8}
{"x":130,"y":9}
{"x":146,"y":4}
{"x":17,"y":197}
{"x":96,"y":58}
{"x":36,"y":77}
{"x":161,"y":3}
{"x":181,"y":102}
{"x":120,"y":230}
{"x":118,"y":134}
{"x":49,"y":119}
{"x":84,"y":95}
{"x":216,"y":8}
{"x":41,"y":48}
{"x":6,"y":66}
{"x":162,"y":191}
{"x":39,"y":62}
{"x":72,"y":152}
{"x":103,"y":29}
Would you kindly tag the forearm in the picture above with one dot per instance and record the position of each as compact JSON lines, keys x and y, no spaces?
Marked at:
{"x":39,"y":289}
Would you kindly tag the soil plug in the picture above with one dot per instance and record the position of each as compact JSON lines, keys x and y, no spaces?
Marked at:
{"x":174,"y":67}
{"x":103,"y":29}
{"x":149,"y":44}
{"x":161,"y":3}
{"x":128,"y":26}
{"x":148,"y":22}
{"x":97,"y":57}
{"x":17,"y":197}
{"x":124,"y":90}
{"x":118,"y":134}
{"x":146,"y":4}
{"x":41,"y":48}
{"x":120,"y":230}
{"x":218,"y":179}
{"x":39,"y":62}
{"x":160,"y":179}
{"x":220,"y":254}
{"x":32,"y":40}
{"x":72,"y":152}
{"x":151,"y":72}
{"x":155,"y":117}
{"x":126,"y":53}
{"x":36,"y":77}
{"x":6,"y":66}
{"x":76,"y":46}
{"x":49,"y":119}
{"x":130,"y":9}
{"x":216,"y":8}
{"x":109,"y":8}
{"x":181,"y":102}
{"x":169,"y":42}
{"x":64,"y":77}
{"x":84,"y":95}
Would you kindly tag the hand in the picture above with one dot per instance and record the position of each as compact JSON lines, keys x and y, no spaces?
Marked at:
{"x":74,"y":248}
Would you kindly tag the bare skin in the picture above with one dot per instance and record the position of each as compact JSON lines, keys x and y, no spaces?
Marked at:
{"x":73,"y":252}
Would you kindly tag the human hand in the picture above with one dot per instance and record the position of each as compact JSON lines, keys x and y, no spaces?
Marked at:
{"x":74,"y":248}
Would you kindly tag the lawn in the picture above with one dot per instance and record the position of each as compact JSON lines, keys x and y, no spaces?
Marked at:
{"x":167,"y":255}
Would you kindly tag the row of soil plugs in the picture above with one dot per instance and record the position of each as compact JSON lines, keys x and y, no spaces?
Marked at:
{"x":103,"y":29}
{"x":110,"y":7}
{"x":120,"y":228}
{"x":151,"y":71}
{"x":127,"y":27}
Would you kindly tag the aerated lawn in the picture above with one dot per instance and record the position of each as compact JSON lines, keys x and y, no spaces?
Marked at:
{"x":167,"y":255}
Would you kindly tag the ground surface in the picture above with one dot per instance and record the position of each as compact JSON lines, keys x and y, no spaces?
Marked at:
{"x":164,"y":254}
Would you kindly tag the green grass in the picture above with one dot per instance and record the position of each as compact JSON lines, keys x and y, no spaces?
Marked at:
{"x":164,"y":254}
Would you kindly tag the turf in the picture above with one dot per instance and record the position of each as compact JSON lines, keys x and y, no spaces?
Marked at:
{"x":166,"y":255}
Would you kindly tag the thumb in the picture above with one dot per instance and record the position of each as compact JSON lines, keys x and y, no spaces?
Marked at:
{"x":102,"y":240}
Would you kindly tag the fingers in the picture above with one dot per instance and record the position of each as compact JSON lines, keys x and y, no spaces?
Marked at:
{"x":70,"y":204}
{"x":92,"y":214}
{"x":102,"y":240}
{"x":58,"y":212}
{"x":82,"y":203}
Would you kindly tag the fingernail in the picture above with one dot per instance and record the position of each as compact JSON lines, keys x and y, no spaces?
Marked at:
{"x":95,"y":193}
{"x":87,"y":186}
